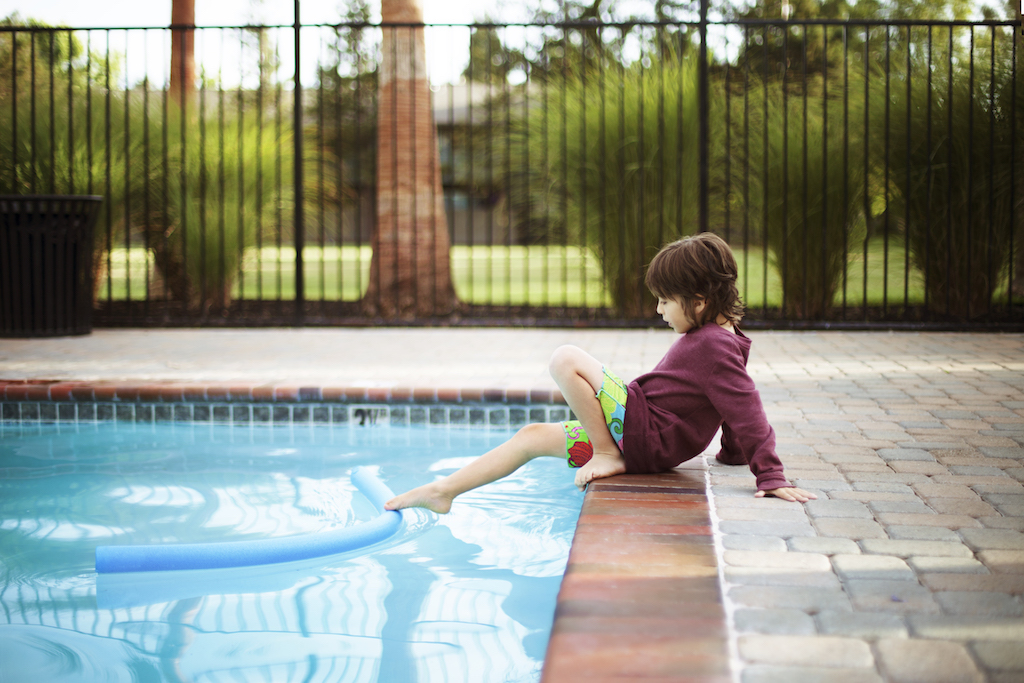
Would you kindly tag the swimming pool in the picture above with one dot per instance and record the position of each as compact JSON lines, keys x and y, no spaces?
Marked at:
{"x":468,"y":596}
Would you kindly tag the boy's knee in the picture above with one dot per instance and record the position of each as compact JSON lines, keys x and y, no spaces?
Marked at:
{"x":563,"y":358}
{"x":541,"y":438}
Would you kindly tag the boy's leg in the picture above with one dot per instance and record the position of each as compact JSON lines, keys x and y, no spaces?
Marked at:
{"x":531,"y":441}
{"x":580,"y":376}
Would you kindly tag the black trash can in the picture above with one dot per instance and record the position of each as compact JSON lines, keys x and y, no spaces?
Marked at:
{"x":46,"y":264}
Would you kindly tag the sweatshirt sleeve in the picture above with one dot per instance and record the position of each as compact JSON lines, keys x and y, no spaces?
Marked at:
{"x":746,"y":435}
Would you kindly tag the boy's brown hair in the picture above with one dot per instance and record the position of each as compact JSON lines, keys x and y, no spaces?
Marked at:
{"x":694,"y":268}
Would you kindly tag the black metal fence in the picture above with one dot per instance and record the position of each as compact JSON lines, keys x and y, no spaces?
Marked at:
{"x":865,"y":173}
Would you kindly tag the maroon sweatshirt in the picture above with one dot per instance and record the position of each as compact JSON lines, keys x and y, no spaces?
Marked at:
{"x":674,"y":411}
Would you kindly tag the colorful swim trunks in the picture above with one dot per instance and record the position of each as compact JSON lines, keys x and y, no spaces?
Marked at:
{"x":612,"y":396}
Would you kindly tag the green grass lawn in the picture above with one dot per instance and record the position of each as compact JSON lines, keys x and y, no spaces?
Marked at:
{"x":517,"y":275}
{"x":886,"y":281}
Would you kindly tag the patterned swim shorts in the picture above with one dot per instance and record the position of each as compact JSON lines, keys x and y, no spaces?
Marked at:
{"x":612,"y":395}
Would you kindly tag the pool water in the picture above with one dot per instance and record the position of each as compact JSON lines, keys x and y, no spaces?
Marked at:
{"x":467,"y":596}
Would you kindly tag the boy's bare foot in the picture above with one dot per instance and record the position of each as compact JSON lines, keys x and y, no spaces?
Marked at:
{"x":600,"y":466}
{"x":427,"y":496}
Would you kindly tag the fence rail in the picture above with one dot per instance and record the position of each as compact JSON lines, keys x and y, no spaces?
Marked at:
{"x":866,"y":173}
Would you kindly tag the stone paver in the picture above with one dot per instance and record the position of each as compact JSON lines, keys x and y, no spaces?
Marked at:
{"x":789,"y":622}
{"x":920,"y":510}
{"x":760,"y":673}
{"x":831,"y":651}
{"x":867,"y":625}
{"x":917,"y":661}
{"x":979,"y":603}
{"x":874,"y":567}
{"x":905,"y":548}
{"x":913,"y":442}
{"x":1000,"y":656}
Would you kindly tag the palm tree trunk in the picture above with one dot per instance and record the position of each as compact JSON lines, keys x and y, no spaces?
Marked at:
{"x":410,"y":273}
{"x":183,"y":65}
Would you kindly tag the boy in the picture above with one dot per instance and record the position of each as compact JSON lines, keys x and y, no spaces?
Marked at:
{"x":662,"y":418}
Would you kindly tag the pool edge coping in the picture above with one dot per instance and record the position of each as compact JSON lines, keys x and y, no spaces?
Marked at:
{"x":157,"y":391}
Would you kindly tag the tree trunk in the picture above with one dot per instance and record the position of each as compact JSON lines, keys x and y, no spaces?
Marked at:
{"x":183,"y":64}
{"x":410,"y":273}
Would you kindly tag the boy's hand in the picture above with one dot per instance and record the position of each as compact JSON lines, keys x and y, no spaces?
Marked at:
{"x":790,"y":493}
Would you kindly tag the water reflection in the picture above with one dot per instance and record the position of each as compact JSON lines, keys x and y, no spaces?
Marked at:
{"x":468,"y":597}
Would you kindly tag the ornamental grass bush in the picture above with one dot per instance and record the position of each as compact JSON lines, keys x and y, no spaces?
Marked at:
{"x":201,"y":202}
{"x":807,"y":190}
{"x":951,"y":168}
{"x":613,"y":167}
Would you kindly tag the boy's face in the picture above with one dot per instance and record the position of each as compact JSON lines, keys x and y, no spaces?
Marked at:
{"x":671,"y":311}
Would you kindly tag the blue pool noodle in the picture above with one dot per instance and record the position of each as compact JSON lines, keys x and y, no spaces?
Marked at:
{"x":150,"y":558}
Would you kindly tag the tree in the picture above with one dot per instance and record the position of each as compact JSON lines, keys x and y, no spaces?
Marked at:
{"x":410,"y":272}
{"x":490,"y":60}
{"x":183,"y":65}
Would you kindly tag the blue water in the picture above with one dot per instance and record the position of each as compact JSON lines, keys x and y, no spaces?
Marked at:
{"x":467,"y":596}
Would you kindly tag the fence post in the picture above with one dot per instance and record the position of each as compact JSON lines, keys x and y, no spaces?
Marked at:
{"x":299,"y":236}
{"x":702,"y":105}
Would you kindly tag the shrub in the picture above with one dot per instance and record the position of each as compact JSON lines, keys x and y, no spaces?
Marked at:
{"x":951,"y":168}
{"x":613,"y":166}
{"x":200,"y":202}
{"x":808,"y":192}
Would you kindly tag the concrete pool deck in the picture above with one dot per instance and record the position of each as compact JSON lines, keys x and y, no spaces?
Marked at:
{"x":909,"y":567}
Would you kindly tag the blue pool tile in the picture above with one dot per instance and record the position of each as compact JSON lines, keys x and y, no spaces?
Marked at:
{"x":365,"y":415}
{"x":48,"y":412}
{"x":368,"y":416}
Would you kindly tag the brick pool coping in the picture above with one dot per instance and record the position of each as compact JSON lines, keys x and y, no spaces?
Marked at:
{"x":58,"y":390}
{"x":641,"y":595}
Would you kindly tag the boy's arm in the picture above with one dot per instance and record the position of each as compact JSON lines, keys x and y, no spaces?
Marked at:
{"x":748,"y":438}
{"x":729,"y":454}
